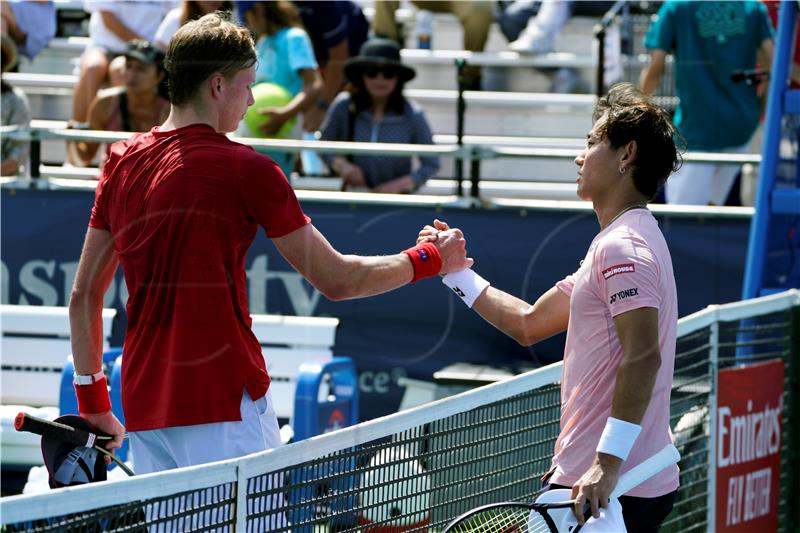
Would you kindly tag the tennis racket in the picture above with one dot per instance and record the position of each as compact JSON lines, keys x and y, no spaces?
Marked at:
{"x":516,"y":517}
{"x":65,"y":433}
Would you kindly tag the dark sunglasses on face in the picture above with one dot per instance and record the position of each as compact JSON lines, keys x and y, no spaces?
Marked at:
{"x":388,"y":72}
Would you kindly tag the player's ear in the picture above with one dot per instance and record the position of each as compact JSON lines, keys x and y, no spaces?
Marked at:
{"x":216,"y":85}
{"x":629,"y":153}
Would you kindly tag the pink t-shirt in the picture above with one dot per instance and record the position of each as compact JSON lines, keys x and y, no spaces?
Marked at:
{"x":628,"y":266}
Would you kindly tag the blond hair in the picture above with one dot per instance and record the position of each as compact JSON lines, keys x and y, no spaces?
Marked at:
{"x":200,"y":48}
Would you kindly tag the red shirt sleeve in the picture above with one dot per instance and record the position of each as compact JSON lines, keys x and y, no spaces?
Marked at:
{"x":266,"y":194}
{"x":98,"y":218}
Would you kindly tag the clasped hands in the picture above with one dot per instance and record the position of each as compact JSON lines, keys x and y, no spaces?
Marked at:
{"x":451,"y":245}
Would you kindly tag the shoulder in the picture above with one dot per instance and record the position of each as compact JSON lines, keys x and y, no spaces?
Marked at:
{"x":414,"y":110}
{"x":340,"y":103}
{"x":118,"y":149}
{"x":253,"y":169}
{"x":107,"y":99}
{"x":294,"y":33}
{"x":250,"y":162}
{"x":17,"y":96}
{"x":756,"y":8}
{"x":669,"y":9}
{"x":616,"y":242}
{"x":412,"y":107}
{"x":634,"y":242}
{"x":625,"y":240}
{"x":173,"y":16}
{"x":109,"y":93}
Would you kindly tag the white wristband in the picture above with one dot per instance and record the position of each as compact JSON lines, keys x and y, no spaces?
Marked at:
{"x":618,"y":437}
{"x":87,"y":379}
{"x":466,"y":284}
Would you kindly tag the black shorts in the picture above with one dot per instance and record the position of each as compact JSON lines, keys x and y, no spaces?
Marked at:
{"x":641,"y":515}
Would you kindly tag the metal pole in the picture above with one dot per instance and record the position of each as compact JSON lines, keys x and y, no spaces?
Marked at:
{"x":475,"y":174}
{"x":600,"y":35}
{"x":36,"y":155}
{"x":792,"y":383}
{"x":713,"y":370}
{"x":460,"y":111}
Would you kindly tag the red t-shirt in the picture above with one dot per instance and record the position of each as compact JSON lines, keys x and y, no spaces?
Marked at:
{"x":183,"y":207}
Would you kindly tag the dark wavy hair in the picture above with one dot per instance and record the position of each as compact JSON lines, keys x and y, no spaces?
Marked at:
{"x":631,"y":116}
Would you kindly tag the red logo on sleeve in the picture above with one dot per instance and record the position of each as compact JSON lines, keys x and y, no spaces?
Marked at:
{"x":624,"y":268}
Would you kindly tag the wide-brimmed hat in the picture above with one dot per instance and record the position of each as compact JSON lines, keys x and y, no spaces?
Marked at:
{"x":145,"y":52}
{"x":68,"y":464}
{"x":9,"y":52}
{"x":380,"y":52}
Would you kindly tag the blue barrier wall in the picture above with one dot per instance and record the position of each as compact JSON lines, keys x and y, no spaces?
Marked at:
{"x":413,"y":331}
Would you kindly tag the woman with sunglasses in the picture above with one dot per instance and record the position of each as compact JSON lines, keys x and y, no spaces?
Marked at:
{"x":375,"y":110}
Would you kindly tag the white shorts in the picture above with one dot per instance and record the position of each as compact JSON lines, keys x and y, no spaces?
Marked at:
{"x":175,"y":447}
{"x":703,"y":183}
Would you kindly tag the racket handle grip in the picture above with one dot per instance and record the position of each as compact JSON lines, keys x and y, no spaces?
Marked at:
{"x":55,"y":430}
{"x":668,"y":455}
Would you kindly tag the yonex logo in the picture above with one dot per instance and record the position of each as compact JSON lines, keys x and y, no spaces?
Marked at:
{"x":423,"y":255}
{"x":624,"y":268}
{"x":459,"y":292}
{"x":621,"y":295}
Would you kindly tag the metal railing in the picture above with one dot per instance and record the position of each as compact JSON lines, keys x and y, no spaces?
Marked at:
{"x":461,"y":151}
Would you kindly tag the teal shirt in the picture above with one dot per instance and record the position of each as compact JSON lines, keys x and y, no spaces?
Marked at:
{"x":709,"y":40}
{"x":282,"y":56}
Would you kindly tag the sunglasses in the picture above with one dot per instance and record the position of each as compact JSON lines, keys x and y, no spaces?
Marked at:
{"x":372,"y":71}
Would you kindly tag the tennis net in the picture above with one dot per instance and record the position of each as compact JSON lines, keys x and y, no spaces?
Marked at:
{"x":418,"y":469}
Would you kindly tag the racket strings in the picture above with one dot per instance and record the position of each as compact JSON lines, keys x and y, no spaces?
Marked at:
{"x":507,"y":519}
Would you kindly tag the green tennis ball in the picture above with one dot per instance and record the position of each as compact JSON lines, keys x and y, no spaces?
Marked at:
{"x":267,"y":95}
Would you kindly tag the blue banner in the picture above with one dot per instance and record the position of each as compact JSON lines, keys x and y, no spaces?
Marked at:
{"x":411,"y":332}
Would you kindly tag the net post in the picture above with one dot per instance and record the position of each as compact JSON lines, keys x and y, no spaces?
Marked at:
{"x":713,"y":367}
{"x":240,"y":504}
{"x":793,"y":407}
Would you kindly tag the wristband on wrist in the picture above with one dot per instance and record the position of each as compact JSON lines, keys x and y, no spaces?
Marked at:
{"x":93,"y":399}
{"x":618,"y":437}
{"x":425,"y":259}
{"x":87,"y":379}
{"x":467,"y":285}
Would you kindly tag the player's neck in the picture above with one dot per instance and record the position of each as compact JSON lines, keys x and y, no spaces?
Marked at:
{"x":608,"y":213}
{"x":180,"y":117}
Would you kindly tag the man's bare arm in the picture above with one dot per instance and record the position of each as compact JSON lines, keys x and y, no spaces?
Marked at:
{"x":651,"y":75}
{"x":96,"y":268}
{"x":342,"y":276}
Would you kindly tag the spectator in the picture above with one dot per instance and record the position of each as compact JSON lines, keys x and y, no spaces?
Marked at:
{"x":531,"y":26}
{"x":111,"y":26}
{"x":376,"y":111}
{"x":710,"y":40}
{"x":30,"y":24}
{"x":285,"y":58}
{"x":137,"y":105}
{"x":15,"y":111}
{"x":337,"y":30}
{"x":476,"y":18}
{"x":188,"y":10}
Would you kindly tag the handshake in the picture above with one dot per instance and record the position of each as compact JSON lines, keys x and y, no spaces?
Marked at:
{"x":451,"y":245}
{"x":456,"y":270}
